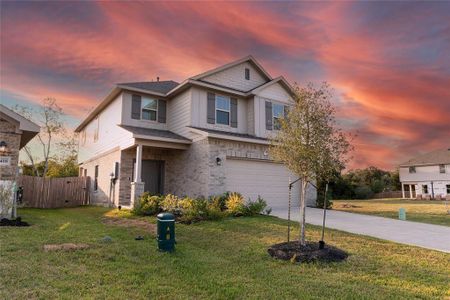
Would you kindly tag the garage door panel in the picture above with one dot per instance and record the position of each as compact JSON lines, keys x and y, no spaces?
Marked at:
{"x":267,"y":179}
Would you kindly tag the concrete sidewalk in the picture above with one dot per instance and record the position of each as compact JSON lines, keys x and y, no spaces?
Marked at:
{"x":428,"y":236}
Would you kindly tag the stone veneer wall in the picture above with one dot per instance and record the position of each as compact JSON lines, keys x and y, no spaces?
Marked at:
{"x":186,"y":171}
{"x":12,"y":139}
{"x":193,"y":172}
{"x":106,"y":164}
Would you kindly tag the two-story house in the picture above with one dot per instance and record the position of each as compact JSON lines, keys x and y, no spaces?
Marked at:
{"x":201,"y":137}
{"x":427,"y":176}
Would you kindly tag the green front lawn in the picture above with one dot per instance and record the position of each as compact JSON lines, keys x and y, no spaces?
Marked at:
{"x":221,"y":260}
{"x":433,"y":212}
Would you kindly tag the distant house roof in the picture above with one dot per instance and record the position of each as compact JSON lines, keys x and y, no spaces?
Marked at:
{"x":28,"y":129}
{"x":160,"y":87}
{"x":150,"y":132}
{"x":436,"y":157}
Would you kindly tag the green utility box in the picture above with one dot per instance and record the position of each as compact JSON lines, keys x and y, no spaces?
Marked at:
{"x":402,"y":214}
{"x":166,"y":231}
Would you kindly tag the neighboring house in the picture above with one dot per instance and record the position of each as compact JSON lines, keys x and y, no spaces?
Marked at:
{"x":427,"y":175}
{"x":204,"y":136}
{"x":15,"y":132}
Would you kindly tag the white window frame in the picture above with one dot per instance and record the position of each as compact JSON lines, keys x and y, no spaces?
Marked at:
{"x":223,"y":110}
{"x":425,"y":189}
{"x":412,"y":170}
{"x":155,"y":110}
{"x":447,"y":187}
{"x":442,"y":169}
{"x":276,"y":117}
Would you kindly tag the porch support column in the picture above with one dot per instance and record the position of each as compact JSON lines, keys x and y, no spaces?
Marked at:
{"x":410,"y":191}
{"x":138,"y":169}
{"x":403,"y":191}
{"x":137,"y":187}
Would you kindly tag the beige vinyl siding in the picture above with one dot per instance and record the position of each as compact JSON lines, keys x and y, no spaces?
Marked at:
{"x":199,"y":116}
{"x":179,"y":112}
{"x":234,"y":77}
{"x":110,"y":135}
{"x":274,"y":93}
{"x":126,"y":115}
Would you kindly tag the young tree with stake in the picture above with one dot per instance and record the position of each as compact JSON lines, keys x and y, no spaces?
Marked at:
{"x":309,"y":142}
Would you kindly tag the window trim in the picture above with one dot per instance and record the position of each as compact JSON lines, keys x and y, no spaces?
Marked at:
{"x":223,"y":110}
{"x":155,"y":110}
{"x":273,"y":115}
{"x":425,"y":189}
{"x":441,"y":169}
{"x":447,"y":186}
{"x":412,"y":170}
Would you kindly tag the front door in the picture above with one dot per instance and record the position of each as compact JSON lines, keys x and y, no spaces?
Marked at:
{"x":153,"y":176}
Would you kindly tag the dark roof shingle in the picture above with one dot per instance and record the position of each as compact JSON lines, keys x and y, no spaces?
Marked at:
{"x":154,"y":132}
{"x":241,"y":135}
{"x":436,"y":157}
{"x":162,"y":87}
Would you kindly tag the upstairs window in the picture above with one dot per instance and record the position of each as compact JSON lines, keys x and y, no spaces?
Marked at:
{"x":424,"y":189}
{"x":247,"y":73}
{"x":442,"y":169}
{"x":149,"y":109}
{"x":222,"y":110}
{"x":277,"y":114}
{"x":412,"y":169}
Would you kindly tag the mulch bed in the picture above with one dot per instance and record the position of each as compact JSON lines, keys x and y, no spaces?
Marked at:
{"x":310,"y":253}
{"x":17,"y":222}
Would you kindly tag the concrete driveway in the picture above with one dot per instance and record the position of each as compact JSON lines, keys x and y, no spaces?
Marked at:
{"x":428,"y":236}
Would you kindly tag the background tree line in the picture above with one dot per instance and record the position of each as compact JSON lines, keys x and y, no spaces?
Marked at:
{"x":362,"y":183}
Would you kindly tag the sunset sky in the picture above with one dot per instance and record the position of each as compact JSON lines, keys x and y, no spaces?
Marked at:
{"x":388,"y":62}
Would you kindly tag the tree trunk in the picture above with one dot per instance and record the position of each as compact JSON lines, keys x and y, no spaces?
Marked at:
{"x":302,"y":212}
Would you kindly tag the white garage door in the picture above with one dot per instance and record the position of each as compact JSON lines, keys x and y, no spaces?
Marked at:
{"x":267,"y":179}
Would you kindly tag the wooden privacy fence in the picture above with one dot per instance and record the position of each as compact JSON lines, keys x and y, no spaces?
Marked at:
{"x":42,"y":192}
{"x":391,"y":194}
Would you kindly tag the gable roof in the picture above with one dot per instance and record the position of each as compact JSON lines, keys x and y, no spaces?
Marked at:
{"x":283,"y":82}
{"x":170,"y":88}
{"x":160,"y":87}
{"x":248,"y":58}
{"x":29,"y":129}
{"x":437,"y":157}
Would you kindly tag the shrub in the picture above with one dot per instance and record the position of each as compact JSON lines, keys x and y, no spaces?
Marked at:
{"x":363,"y":192}
{"x":193,"y":210}
{"x":148,"y":205}
{"x":321,"y":198}
{"x":219,"y":201}
{"x":235,"y":204}
{"x":171,"y":204}
{"x":253,"y":208}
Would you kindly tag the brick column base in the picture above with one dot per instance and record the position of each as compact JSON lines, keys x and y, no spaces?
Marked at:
{"x":137,"y":189}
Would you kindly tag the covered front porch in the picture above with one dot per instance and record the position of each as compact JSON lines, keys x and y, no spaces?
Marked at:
{"x":148,"y":167}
